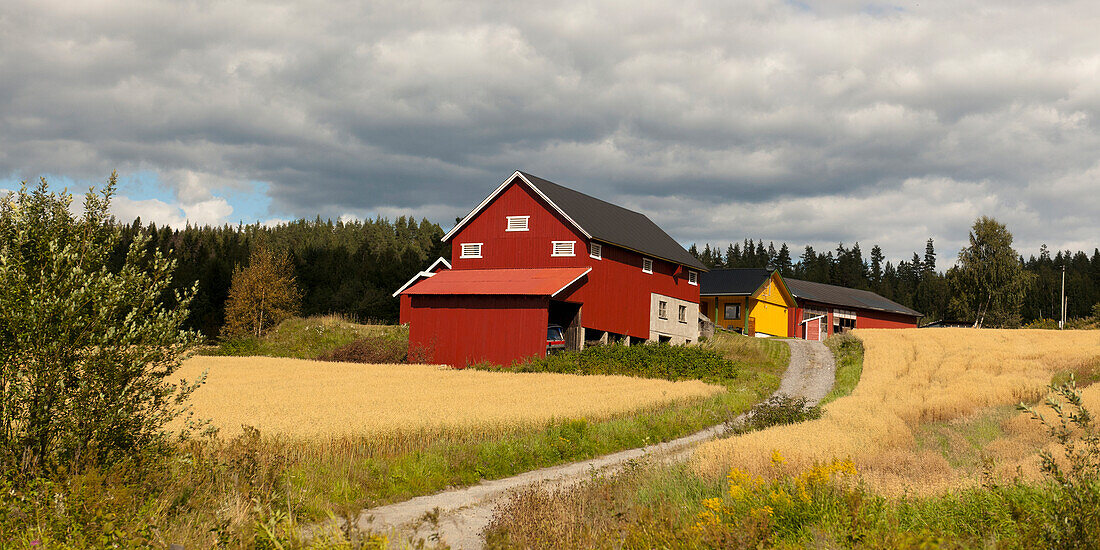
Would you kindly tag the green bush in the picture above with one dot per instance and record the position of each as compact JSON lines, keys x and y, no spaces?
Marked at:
{"x":650,"y":360}
{"x":1046,"y":324}
{"x":776,"y":411}
{"x":370,"y":349}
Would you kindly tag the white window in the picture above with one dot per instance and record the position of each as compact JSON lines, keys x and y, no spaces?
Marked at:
{"x":562,"y":248}
{"x":647,"y":265}
{"x":595,"y":250}
{"x":517,"y":223}
{"x":471,"y":250}
{"x":662,"y":309}
{"x":693,"y":278}
{"x":683,"y":314}
{"x":732,"y":311}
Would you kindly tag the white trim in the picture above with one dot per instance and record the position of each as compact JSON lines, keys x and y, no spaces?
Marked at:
{"x":494,"y":194}
{"x":525,"y":219}
{"x":570,"y":283}
{"x":554,"y":248}
{"x":804,"y":321}
{"x":662,"y":310}
{"x":595,"y":250}
{"x":435,"y":263}
{"x":650,"y":270}
{"x":414,"y":279}
{"x":693,"y":277}
{"x":462,"y":249}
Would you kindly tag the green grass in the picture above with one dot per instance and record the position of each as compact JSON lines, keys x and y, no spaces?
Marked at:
{"x":961,"y":441}
{"x":466,"y":460}
{"x":848,"y":353}
{"x":304,"y":338}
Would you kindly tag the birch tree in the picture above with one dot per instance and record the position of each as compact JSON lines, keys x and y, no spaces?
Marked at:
{"x":989,"y":281}
{"x":261,"y":295}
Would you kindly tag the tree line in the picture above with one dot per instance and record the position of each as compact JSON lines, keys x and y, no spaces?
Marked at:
{"x":345,"y":267}
{"x":920,"y":283}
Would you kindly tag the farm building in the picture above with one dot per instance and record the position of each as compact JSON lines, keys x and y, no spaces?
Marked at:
{"x":842,"y":308}
{"x":535,"y":254}
{"x":751,"y":301}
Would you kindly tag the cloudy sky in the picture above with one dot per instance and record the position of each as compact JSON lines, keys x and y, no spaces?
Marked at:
{"x":805,"y":122}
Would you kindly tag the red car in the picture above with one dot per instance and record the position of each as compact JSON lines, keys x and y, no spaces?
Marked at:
{"x":555,"y":339}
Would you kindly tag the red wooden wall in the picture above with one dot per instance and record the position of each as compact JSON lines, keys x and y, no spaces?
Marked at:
{"x":616,"y":296}
{"x":865,"y":318}
{"x":462,"y":330}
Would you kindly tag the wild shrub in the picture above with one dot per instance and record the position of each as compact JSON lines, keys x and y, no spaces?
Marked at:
{"x":1073,"y":520}
{"x":778,"y":410}
{"x":650,"y":360}
{"x":369,"y":349}
{"x":88,"y":343}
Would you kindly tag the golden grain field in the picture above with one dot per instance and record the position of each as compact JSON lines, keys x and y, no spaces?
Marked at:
{"x":310,"y":399}
{"x":918,"y":377}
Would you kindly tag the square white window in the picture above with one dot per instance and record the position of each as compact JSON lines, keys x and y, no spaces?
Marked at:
{"x":562,"y":248}
{"x":595,"y":250}
{"x":647,"y":265}
{"x":662,"y":309}
{"x":683,"y":314}
{"x":518,"y":223}
{"x":693,"y":278}
{"x":471,"y":250}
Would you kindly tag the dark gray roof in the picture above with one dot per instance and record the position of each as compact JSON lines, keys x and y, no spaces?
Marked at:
{"x":841,"y":296}
{"x":614,"y":224}
{"x":732,"y":281}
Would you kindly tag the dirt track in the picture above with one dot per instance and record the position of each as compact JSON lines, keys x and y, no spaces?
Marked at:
{"x":464,"y":513}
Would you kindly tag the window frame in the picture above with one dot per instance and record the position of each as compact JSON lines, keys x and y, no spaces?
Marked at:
{"x":725,"y":311}
{"x":464,"y":254}
{"x":595,"y":251}
{"x":508,"y":223}
{"x":647,"y":261}
{"x":662,"y":309}
{"x":693,"y":278}
{"x":682,"y":313}
{"x":554,"y":249}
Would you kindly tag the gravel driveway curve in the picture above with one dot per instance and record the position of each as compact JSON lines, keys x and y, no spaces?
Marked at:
{"x":465,"y":512}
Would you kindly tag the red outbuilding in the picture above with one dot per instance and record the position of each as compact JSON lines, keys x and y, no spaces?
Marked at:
{"x":822,"y":310}
{"x":535,"y":254}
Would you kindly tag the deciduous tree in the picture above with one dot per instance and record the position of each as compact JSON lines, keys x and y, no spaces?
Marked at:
{"x":988,"y":283}
{"x":261,"y":295}
{"x":87,"y":348}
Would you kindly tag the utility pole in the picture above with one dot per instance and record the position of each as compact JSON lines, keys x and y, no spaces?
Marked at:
{"x":1062,"y":320}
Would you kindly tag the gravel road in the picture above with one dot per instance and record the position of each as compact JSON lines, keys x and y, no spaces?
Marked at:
{"x":464,"y":513}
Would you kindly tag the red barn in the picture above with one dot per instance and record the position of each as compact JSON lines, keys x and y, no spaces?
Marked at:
{"x":535,"y":254}
{"x":822,"y":310}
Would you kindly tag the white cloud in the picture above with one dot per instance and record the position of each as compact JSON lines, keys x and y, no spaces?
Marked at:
{"x":766,"y":110}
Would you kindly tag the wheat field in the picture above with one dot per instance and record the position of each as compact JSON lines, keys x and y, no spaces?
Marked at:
{"x":313,"y":399}
{"x":916,"y":377}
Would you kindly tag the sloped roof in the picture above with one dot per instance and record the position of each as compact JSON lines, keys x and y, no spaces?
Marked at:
{"x":850,"y":297}
{"x":602,"y":221}
{"x":523,"y":282}
{"x":732,"y":282}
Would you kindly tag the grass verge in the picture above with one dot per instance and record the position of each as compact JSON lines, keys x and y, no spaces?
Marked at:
{"x":306,"y":338}
{"x":847,"y":352}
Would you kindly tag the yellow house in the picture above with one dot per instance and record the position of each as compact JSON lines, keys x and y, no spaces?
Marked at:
{"x":751,"y":301}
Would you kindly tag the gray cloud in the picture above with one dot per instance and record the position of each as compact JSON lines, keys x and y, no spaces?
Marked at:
{"x":813,"y":123}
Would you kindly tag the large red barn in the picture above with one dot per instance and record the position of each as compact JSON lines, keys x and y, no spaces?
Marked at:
{"x":535,"y":253}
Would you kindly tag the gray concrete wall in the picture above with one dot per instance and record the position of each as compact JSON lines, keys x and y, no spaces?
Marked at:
{"x":677,"y":331}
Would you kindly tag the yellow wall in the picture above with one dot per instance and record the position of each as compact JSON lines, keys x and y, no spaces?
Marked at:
{"x":768,"y":306}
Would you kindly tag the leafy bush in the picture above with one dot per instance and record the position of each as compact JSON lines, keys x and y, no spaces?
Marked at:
{"x":778,"y":410}
{"x":1073,"y":519}
{"x":1046,"y":324}
{"x":370,"y":349}
{"x":650,"y":360}
{"x":88,"y":343}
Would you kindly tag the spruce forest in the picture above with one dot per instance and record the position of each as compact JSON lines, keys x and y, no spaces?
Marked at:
{"x":353,"y":267}
{"x":919,"y":282}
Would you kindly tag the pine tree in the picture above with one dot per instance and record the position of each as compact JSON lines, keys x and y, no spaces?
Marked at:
{"x":929,"y":265}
